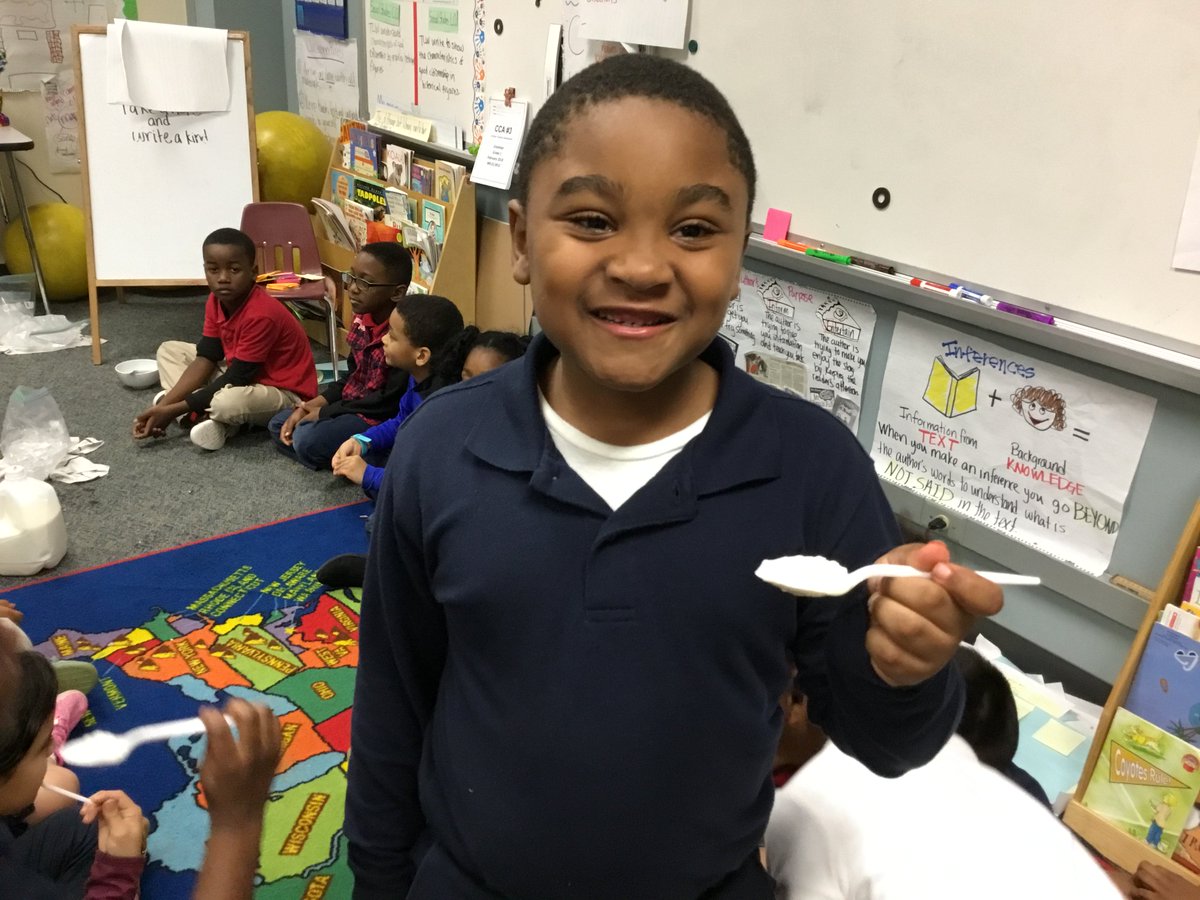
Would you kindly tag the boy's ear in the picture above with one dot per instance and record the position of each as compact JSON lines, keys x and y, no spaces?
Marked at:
{"x":424,"y":354}
{"x":400,"y":291}
{"x":517,"y":223}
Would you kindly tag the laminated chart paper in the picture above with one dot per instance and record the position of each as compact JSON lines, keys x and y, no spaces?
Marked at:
{"x":1027,"y":448}
{"x":811,"y":343}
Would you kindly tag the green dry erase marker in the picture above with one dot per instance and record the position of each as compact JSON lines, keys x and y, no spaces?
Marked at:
{"x":825,"y":254}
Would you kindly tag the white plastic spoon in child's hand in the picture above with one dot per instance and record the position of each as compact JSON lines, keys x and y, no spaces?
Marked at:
{"x":103,"y":748}
{"x":57,"y":790}
{"x":816,"y":576}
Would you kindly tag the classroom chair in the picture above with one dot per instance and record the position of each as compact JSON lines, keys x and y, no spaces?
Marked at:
{"x":283,"y":236}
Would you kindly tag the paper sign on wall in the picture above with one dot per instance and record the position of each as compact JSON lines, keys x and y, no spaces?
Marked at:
{"x":812,"y":343}
{"x":660,"y":23}
{"x":62,"y":122}
{"x":326,"y":80}
{"x":1027,"y":448}
{"x":501,"y":144}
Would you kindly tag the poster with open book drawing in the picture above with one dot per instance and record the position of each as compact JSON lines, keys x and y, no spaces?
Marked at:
{"x":809,"y":342}
{"x":1027,"y":448}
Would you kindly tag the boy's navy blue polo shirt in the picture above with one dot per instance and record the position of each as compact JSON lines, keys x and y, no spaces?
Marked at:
{"x":565,"y":701}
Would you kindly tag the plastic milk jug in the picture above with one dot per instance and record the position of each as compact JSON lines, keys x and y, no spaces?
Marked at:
{"x":33,"y":535}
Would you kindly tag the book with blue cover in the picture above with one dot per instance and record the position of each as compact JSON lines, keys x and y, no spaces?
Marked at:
{"x":1166,"y":687}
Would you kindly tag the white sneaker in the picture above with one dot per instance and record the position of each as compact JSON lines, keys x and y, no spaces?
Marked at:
{"x":209,"y":435}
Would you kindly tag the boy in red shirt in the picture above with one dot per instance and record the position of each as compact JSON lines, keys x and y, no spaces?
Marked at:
{"x":252,"y":361}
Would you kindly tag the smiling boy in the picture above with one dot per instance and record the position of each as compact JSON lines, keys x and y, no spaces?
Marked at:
{"x":253,"y":359}
{"x":569,"y":676}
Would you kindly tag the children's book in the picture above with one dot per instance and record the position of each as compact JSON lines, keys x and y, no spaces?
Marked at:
{"x":357,"y":217}
{"x":369,"y":193}
{"x":433,"y":218}
{"x":397,"y":163}
{"x":364,"y":152}
{"x":397,"y":204}
{"x":333,"y":222}
{"x":1190,"y":591}
{"x":347,"y":126}
{"x":341,"y":186}
{"x":422,"y":177}
{"x":1145,"y":782}
{"x":448,"y":177}
{"x":1166,"y":687}
{"x":951,"y":393}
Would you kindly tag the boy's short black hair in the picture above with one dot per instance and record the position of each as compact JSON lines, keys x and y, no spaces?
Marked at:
{"x":26,"y":701}
{"x":429,"y":320}
{"x":232,"y":237}
{"x":989,"y":721}
{"x":632,"y":75}
{"x":394,"y":257}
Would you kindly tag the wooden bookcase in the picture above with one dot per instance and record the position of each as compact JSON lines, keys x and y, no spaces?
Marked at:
{"x":1108,"y":840}
{"x":455,"y":275}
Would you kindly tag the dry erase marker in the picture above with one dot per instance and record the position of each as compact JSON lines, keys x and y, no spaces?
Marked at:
{"x":974,"y":296}
{"x":872,"y":265}
{"x":930,"y":285}
{"x":826,"y":255}
{"x":792,"y":245}
{"x":1044,"y":318}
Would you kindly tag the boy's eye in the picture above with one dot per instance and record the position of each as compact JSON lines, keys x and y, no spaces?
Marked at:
{"x":695,"y":230}
{"x":590,"y":222}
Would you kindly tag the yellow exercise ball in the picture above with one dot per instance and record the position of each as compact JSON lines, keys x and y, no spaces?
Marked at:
{"x":58,"y":234}
{"x":293,"y":157}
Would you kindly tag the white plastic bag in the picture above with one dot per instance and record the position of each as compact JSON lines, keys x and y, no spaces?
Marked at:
{"x":37,"y":334}
{"x":34,"y":436}
{"x":13,"y":312}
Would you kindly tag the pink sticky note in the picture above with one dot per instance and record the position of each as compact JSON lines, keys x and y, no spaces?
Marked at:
{"x":777,"y":224}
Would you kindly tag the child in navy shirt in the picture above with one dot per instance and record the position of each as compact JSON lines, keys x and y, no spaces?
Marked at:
{"x":569,"y":675}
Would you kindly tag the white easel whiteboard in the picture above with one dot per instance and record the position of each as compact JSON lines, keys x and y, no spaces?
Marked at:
{"x":155,"y":184}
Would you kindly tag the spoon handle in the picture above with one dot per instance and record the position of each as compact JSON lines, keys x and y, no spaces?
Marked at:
{"x":1009,"y":578}
{"x":162,"y":731}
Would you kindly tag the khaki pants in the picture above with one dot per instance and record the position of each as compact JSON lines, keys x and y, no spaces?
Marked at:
{"x":253,"y":404}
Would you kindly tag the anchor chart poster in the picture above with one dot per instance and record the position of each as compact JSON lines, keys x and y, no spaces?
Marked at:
{"x":811,"y":343}
{"x":1027,"y":448}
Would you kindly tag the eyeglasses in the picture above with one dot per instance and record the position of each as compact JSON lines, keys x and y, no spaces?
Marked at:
{"x":349,"y":279}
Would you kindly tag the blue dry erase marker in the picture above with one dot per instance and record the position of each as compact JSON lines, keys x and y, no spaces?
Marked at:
{"x":974,"y":296}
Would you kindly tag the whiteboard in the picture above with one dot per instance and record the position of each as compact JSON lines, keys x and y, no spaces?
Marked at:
{"x":156,"y":184}
{"x":1041,"y":150}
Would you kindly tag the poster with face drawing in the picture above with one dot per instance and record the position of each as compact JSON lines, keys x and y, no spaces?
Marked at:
{"x":809,"y":342}
{"x":1027,"y":448}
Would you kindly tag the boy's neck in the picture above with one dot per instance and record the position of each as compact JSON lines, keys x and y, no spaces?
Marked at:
{"x":420,"y":373}
{"x":233,"y":306}
{"x":630,"y":418}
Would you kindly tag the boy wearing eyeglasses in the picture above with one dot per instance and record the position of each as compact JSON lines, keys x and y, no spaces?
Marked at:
{"x":370,"y":391}
{"x":252,"y":360}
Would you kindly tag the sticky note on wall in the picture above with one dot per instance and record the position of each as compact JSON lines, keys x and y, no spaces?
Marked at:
{"x":777,"y":225}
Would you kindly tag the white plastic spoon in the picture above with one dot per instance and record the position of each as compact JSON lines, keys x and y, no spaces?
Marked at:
{"x":103,"y":748}
{"x":65,"y":792}
{"x":816,"y":576}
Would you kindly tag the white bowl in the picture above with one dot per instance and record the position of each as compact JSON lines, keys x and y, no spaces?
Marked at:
{"x":137,"y":373}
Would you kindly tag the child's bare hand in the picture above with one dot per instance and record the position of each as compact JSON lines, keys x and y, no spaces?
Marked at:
{"x":122,"y":827}
{"x":917,"y":624}
{"x":350,"y":447}
{"x":352,"y":468}
{"x":237,"y":772}
{"x":152,"y":422}
{"x":8,"y":610}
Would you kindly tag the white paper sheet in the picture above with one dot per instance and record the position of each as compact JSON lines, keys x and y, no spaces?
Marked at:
{"x":659,"y":23}
{"x":502,"y":136}
{"x":326,"y":80}
{"x":178,"y":68}
{"x":1187,"y":244}
{"x":811,"y":343}
{"x":62,"y":122}
{"x":1027,"y":448}
{"x":37,"y":37}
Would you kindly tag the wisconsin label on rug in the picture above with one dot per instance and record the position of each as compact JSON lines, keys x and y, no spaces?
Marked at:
{"x":1145,"y":782}
{"x":235,"y":616}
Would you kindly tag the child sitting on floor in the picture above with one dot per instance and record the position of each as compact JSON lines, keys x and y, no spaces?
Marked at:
{"x":370,"y":391}
{"x":252,"y":361}
{"x":484,"y":351}
{"x":420,"y":332}
{"x":93,"y":852}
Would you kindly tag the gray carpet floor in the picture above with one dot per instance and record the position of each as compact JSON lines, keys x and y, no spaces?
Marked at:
{"x":158,"y":493}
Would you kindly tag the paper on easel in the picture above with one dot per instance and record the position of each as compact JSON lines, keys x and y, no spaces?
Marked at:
{"x":178,"y":68}
{"x":501,"y":144}
{"x":1187,"y":244}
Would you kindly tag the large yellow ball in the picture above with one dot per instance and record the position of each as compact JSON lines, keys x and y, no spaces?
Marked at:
{"x":62,"y":251}
{"x":293,"y":157}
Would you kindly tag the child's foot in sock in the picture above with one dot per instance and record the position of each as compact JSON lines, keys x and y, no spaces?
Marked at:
{"x":68,"y":710}
{"x":347,"y":570}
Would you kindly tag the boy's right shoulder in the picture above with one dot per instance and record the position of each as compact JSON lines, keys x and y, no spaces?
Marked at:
{"x":457,"y":405}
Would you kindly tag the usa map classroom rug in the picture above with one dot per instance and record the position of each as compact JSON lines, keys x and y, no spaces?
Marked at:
{"x":235,"y":616}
